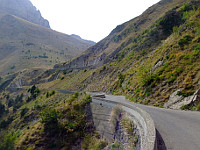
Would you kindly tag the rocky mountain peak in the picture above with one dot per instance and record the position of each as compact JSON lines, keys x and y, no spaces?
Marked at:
{"x":23,"y":9}
{"x":78,"y":37}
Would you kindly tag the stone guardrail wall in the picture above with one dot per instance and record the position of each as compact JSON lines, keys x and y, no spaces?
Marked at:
{"x":148,"y":139}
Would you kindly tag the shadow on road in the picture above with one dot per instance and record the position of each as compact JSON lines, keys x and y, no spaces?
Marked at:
{"x":160,"y":142}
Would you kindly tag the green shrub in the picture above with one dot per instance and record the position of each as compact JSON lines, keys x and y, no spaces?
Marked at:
{"x":197,"y":47}
{"x":102,"y":145}
{"x":184,"y":107}
{"x":76,"y":95}
{"x":185,"y":41}
{"x":117,"y":146}
{"x":87,"y":99}
{"x":178,"y":70}
{"x":197,"y":31}
{"x":52,"y":92}
{"x":121,"y":78}
{"x":5,"y":123}
{"x":145,"y":77}
{"x":188,"y":14}
{"x":128,"y":125}
{"x":187,"y":56}
{"x":176,"y":30}
{"x":34,"y":93}
{"x":184,"y":94}
{"x":138,"y":57}
{"x":23,"y":111}
{"x":172,"y":79}
{"x":37,"y":91}
{"x":28,"y":99}
{"x":50,"y":120}
{"x":64,"y":72}
{"x":121,"y":56}
{"x":146,"y":102}
{"x":198,"y":106}
{"x":47,"y":94}
{"x":130,"y":55}
{"x":185,"y":7}
{"x":2,"y":109}
{"x":62,"y":78}
{"x":195,"y":53}
{"x":150,"y":78}
{"x":30,"y":148}
{"x":37,"y":106}
{"x":8,"y":142}
{"x":19,"y":98}
{"x":102,"y":69}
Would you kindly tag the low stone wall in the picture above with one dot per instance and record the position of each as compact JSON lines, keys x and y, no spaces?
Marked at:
{"x":101,"y":119}
{"x":101,"y":109}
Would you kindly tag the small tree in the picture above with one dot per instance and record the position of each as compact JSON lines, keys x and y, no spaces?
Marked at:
{"x":121,"y":78}
{"x":2,"y":109}
{"x":47,"y":94}
{"x":24,"y":111}
{"x":34,"y":93}
{"x":50,"y":120}
{"x":10,"y":102}
{"x":52,"y":92}
{"x":32,"y":89}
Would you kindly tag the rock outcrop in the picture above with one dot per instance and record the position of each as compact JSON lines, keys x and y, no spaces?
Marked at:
{"x":23,"y":9}
{"x":176,"y":101}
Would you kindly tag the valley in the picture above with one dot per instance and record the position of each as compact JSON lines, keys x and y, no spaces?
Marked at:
{"x":45,"y":77}
{"x":31,"y":43}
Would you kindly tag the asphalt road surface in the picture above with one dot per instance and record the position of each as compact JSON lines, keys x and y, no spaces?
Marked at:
{"x":176,"y":129}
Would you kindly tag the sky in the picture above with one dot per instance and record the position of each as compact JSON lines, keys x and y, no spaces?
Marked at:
{"x":90,"y":19}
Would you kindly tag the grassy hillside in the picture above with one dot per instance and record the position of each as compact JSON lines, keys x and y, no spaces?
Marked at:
{"x":148,"y":68}
{"x":27,"y":45}
{"x":158,"y":55}
{"x":47,"y":120}
{"x":129,"y":34}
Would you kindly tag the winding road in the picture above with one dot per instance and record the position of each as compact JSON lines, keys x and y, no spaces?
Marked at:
{"x":176,"y":129}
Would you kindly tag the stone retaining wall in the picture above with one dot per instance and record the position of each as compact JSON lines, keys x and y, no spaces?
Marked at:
{"x":101,"y":109}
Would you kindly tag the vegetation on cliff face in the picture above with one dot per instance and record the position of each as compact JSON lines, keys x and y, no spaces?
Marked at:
{"x":58,"y":120}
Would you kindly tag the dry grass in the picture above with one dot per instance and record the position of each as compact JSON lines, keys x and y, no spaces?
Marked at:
{"x":25,"y":44}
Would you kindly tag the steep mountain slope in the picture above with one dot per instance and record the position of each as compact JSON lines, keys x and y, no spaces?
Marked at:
{"x":78,"y":37}
{"x":148,"y":59}
{"x":153,"y":59}
{"x":23,"y":9}
{"x":25,"y":44}
{"x":157,"y":62}
{"x":128,"y":34}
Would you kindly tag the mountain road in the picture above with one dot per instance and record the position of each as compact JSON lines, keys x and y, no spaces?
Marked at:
{"x":176,"y":129}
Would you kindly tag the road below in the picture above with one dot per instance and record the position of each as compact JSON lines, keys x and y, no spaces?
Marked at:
{"x":179,"y":130}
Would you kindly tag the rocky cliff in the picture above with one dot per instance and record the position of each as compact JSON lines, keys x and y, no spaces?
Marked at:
{"x":23,"y":9}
